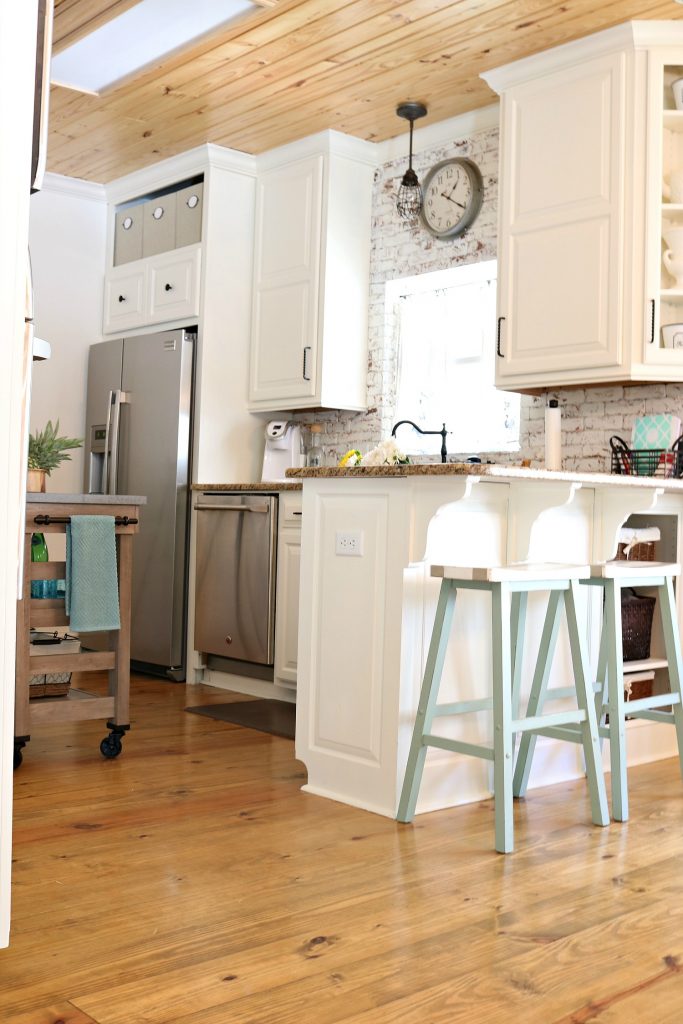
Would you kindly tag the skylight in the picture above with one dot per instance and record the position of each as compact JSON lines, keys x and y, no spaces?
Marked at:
{"x":138,"y":37}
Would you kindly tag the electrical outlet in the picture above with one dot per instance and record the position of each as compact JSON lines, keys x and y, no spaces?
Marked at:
{"x":349,"y":542}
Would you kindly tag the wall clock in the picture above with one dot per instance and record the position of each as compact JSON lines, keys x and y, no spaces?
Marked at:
{"x":453,"y":191}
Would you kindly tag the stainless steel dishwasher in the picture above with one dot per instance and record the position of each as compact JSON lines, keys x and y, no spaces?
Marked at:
{"x":235,"y":576}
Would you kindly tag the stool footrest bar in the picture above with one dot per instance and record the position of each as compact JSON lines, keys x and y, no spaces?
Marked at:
{"x":463,"y":707}
{"x":570,"y":733}
{"x":546,"y":721}
{"x":457,"y":746}
{"x":665,"y":717}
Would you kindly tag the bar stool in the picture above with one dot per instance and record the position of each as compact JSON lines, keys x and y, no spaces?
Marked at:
{"x":509,"y":587}
{"x":613,"y":577}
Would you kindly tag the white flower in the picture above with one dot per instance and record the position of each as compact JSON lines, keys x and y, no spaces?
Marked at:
{"x":387,"y":453}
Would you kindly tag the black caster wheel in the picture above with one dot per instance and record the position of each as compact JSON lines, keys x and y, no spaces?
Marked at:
{"x":111,"y":745}
{"x":18,"y":756}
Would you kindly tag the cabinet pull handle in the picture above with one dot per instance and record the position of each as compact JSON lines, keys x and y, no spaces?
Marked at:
{"x":652,"y":322}
{"x":122,"y":298}
{"x":297,"y":513}
{"x":307,"y":348}
{"x":168,"y":287}
{"x":498,"y":352}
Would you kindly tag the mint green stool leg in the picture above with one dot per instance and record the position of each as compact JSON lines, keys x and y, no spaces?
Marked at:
{"x":517,"y":627}
{"x":615,"y":702}
{"x":672,"y":646}
{"x":427,"y":702}
{"x":589,"y":727}
{"x":502,"y":717}
{"x":539,"y":686}
{"x":602,"y":678}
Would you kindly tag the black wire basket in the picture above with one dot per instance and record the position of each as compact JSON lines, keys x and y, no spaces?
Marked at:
{"x":646,"y":461}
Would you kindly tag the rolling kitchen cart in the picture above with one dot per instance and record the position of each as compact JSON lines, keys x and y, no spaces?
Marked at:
{"x":49,"y":514}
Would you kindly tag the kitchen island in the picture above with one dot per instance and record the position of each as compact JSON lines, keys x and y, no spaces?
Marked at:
{"x":367,"y":607}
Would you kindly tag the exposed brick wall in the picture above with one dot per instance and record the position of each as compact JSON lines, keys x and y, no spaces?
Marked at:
{"x":398,"y":250}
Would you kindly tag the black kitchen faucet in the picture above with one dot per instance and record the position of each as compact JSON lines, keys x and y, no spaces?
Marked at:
{"x":443,"y":433}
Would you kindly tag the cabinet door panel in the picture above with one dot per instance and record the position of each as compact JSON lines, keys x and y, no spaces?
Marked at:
{"x":174,"y":286}
{"x":562,"y":223}
{"x":287,"y":283}
{"x":575,"y":168}
{"x":124,"y":299}
{"x":561,"y":264}
{"x":287,"y":606}
{"x":283,"y":356}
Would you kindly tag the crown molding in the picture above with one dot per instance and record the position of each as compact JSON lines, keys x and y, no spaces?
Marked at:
{"x":77,"y":188}
{"x":185,"y":165}
{"x":329,"y":141}
{"x":630,"y":35}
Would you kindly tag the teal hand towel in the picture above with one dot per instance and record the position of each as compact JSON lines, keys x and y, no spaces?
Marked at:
{"x":92,"y":593}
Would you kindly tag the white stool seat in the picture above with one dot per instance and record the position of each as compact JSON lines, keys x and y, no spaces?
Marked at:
{"x":620,"y":568}
{"x":516,"y":572}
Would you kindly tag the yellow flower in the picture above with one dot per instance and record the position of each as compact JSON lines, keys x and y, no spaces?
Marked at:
{"x":351,"y":458}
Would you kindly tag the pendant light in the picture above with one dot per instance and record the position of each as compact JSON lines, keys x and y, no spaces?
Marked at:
{"x":409,"y":198}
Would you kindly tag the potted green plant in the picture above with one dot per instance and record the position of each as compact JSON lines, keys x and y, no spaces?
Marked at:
{"x":46,"y":450}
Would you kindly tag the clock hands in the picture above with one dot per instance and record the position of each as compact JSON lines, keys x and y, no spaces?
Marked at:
{"x":451,"y":200}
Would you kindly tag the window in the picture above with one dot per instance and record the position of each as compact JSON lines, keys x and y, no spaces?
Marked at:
{"x":445,"y":329}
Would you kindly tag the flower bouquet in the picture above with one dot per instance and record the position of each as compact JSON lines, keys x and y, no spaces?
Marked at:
{"x":387,"y":453}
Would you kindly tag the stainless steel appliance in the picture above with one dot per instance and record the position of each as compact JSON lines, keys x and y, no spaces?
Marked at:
{"x":139,"y":441}
{"x":235,"y":576}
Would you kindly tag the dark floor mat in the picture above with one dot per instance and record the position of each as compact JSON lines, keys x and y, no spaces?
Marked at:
{"x":274,"y":716}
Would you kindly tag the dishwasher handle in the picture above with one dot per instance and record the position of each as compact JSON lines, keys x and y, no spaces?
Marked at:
{"x":233,"y":508}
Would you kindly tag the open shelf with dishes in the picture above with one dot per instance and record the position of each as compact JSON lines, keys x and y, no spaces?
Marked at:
{"x":671,"y":211}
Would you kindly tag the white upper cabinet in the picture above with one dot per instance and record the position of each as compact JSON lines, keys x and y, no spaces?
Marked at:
{"x":311,"y":276}
{"x":585,"y":147}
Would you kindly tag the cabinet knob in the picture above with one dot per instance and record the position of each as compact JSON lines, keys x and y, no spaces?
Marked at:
{"x":168,"y":287}
{"x":122,"y":298}
{"x":228,"y":639}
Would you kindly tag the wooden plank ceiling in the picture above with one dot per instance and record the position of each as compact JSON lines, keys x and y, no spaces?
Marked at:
{"x":296,"y":67}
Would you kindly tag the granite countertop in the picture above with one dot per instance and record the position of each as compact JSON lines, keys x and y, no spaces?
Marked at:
{"x":38,"y":497}
{"x":482,"y":469}
{"x":265,"y":485}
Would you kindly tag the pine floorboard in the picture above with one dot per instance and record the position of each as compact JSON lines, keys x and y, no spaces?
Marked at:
{"x":191,"y":881}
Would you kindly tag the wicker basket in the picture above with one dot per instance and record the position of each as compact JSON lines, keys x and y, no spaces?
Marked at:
{"x":51,"y":684}
{"x":636,"y":624}
{"x":641,"y":552}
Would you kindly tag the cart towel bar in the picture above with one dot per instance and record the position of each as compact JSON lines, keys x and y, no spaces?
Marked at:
{"x":46,"y":520}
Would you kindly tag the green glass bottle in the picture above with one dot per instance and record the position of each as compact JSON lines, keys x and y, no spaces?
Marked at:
{"x":39,"y":588}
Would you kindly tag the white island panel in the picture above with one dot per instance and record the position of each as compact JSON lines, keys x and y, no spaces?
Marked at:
{"x":365,"y":621}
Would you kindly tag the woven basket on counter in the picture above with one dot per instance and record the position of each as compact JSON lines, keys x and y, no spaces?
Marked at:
{"x":636,"y":624}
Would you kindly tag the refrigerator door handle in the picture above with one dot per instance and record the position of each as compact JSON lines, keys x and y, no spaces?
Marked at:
{"x":117,"y":399}
{"x":107,"y":433}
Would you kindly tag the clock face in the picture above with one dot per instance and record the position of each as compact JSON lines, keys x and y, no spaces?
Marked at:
{"x":452,"y":193}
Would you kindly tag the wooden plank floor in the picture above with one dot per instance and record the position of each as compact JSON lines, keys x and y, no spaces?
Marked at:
{"x":190,"y":881}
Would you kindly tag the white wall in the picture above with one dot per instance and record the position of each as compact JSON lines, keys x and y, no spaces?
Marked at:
{"x":17,"y":80}
{"x":67,"y":238}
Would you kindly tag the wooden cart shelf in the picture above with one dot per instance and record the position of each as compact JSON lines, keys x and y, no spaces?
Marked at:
{"x":39,"y":613}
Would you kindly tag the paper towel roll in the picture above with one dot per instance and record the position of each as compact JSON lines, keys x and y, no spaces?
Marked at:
{"x":553,"y":435}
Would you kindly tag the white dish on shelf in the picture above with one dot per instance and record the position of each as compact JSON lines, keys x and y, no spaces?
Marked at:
{"x":672,"y":335}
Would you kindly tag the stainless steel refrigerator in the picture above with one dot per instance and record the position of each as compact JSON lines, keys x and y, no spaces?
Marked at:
{"x":139,"y":440}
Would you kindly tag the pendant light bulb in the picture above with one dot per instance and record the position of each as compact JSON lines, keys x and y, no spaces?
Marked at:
{"x":409,"y":197}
